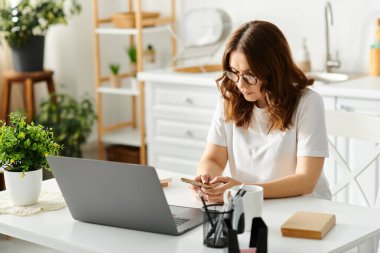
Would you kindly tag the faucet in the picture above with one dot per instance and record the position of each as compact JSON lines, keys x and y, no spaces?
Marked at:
{"x":330,"y":62}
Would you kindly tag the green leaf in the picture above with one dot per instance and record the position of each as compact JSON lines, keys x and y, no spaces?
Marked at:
{"x":21,"y":22}
{"x":23,"y":146}
{"x":70,"y":120}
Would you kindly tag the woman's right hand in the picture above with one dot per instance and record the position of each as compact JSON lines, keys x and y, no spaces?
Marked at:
{"x":197,"y":190}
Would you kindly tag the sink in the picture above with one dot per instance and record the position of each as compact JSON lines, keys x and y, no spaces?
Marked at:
{"x":327,"y":77}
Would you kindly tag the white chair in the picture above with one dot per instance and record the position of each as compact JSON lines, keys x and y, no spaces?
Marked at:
{"x":342,"y":128}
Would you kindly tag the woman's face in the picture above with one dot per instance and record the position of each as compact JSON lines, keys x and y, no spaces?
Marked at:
{"x":251,"y":92}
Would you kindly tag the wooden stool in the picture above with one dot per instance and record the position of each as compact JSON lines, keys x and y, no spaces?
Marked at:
{"x":27,"y":79}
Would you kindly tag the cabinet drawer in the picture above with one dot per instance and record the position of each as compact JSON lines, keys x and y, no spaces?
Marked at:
{"x":181,"y":132}
{"x":186,"y":115}
{"x":184,"y":96}
{"x":174,"y":158}
{"x":367,"y":106}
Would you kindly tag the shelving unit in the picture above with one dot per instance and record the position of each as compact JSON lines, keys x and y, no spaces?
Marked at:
{"x":126,"y":133}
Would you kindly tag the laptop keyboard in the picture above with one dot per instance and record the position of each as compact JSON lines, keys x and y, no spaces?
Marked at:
{"x":179,"y":221}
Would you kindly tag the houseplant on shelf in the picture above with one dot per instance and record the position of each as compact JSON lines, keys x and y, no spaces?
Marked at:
{"x":23,"y":148}
{"x":115,"y":79}
{"x":24,"y":26}
{"x":132,"y":54}
{"x":70,"y":119}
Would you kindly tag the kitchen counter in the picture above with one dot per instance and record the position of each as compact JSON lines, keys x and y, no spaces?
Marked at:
{"x":170,"y":76}
{"x":363,"y":87}
{"x":366,"y":87}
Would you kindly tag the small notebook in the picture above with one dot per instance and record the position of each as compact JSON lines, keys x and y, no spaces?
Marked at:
{"x":308,"y":225}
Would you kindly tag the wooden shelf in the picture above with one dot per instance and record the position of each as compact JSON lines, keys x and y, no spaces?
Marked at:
{"x":132,"y":31}
{"x":127,"y":136}
{"x":118,"y":91}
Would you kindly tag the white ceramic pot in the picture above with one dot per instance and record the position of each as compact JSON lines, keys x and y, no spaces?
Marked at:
{"x":23,"y":190}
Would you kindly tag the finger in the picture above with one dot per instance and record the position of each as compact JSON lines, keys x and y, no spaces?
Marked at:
{"x":220,"y":179}
{"x":205,"y":178}
{"x":194,"y":187}
{"x":214,"y":198}
{"x":198,"y":178}
{"x":216,"y":190}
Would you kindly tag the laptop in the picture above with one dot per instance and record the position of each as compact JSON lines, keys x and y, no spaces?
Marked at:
{"x":119,"y":195}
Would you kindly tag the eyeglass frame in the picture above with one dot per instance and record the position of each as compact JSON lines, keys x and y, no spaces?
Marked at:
{"x":240,"y":75}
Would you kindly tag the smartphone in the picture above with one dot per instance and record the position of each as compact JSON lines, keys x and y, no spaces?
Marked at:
{"x":196,"y":183}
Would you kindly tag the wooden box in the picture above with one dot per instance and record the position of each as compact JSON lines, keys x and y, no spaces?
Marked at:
{"x":122,"y":153}
{"x":310,"y":225}
{"x":127,"y":19}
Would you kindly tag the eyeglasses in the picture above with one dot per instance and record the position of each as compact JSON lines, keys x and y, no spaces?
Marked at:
{"x":235,"y":77}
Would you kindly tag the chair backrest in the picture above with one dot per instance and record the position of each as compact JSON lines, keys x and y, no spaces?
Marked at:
{"x":352,"y":126}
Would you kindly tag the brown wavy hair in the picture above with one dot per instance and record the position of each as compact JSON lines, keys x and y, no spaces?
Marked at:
{"x":270,"y":60}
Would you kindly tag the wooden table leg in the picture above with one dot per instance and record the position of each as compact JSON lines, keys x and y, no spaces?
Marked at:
{"x":5,"y":100}
{"x":51,"y":88}
{"x":29,"y":99}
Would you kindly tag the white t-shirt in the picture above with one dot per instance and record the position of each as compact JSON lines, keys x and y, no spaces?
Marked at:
{"x":255,"y":156}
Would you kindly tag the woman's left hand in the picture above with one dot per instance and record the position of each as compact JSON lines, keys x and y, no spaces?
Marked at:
{"x":215,"y":194}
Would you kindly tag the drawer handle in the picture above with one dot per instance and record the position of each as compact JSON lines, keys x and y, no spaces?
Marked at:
{"x":346,"y":108}
{"x":189,"y":134}
{"x":188,"y":100}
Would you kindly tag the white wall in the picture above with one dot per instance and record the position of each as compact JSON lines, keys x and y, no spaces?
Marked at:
{"x":351,"y":34}
{"x":69,"y":50}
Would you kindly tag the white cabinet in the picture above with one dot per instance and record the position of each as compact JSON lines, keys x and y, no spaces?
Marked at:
{"x":178,"y":117}
{"x":179,"y":109}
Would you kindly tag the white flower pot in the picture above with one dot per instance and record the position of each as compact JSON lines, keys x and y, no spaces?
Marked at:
{"x":23,"y":190}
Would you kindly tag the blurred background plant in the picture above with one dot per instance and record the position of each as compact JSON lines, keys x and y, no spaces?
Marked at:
{"x":132,"y":53}
{"x":20,"y":22}
{"x":70,"y":119}
{"x":114,"y":67}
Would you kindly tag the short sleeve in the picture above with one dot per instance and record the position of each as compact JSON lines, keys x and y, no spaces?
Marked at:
{"x":311,"y":128}
{"x":217,"y":132}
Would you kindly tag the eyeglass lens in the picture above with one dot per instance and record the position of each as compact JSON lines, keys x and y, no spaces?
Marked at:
{"x":234,"y":77}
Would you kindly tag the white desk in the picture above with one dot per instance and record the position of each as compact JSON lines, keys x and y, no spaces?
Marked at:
{"x":57,"y":229}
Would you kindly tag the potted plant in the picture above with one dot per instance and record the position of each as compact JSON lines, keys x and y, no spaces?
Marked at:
{"x":115,"y":79}
{"x":23,"y":148}
{"x":71,"y":121}
{"x":132,"y":54}
{"x":25,"y":24}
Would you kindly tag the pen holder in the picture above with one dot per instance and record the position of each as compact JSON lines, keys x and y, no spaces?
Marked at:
{"x":216,"y":224}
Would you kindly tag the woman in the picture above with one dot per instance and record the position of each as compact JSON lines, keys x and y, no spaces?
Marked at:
{"x":268,"y":125}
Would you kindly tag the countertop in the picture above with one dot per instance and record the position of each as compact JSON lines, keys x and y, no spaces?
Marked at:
{"x":365,"y":87}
